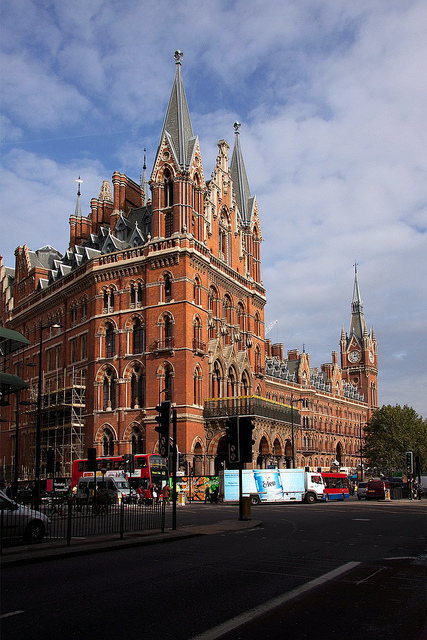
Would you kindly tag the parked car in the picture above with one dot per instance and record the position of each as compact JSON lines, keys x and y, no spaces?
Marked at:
{"x":19,"y":521}
{"x":376,"y":489}
{"x":361,"y":490}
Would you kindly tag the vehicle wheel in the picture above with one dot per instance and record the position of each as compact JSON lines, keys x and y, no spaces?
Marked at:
{"x":34,"y":531}
{"x":310,"y":498}
{"x":359,"y":497}
{"x":254,"y":500}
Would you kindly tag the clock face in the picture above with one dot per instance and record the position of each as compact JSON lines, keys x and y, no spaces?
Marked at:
{"x":371,"y":356}
{"x":354,"y":356}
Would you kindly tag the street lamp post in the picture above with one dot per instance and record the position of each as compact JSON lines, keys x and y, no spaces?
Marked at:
{"x":17,"y":421}
{"x":51,"y":325}
{"x":361,"y":452}
{"x":293,"y":400}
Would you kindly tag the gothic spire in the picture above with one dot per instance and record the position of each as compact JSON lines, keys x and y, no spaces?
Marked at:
{"x":177,"y":125}
{"x":240,"y":180}
{"x":143,"y":180}
{"x":357,"y":322}
{"x":78,"y":210}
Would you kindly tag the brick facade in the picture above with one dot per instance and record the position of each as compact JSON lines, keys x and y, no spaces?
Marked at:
{"x":160,"y":297}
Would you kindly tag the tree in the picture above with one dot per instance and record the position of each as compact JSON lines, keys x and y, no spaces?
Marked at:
{"x":390,"y":433}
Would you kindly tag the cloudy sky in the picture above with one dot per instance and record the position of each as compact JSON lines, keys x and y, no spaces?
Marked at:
{"x":331,"y":95}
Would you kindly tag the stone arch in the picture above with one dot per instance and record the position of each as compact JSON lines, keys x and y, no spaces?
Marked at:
{"x":264,"y":451}
{"x":165,"y":375}
{"x":198,"y":453}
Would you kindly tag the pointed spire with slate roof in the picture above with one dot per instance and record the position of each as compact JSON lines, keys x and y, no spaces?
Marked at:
{"x":245,"y":201}
{"x":177,"y":125}
{"x":143,"y":180}
{"x":357,"y":322}
{"x":78,"y":211}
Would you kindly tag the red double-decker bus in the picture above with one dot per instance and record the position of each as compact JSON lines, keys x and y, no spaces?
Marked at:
{"x":336,"y":485}
{"x":150,"y":470}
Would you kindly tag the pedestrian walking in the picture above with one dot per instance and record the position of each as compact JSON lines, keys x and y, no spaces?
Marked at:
{"x":166,"y":494}
{"x":207,"y":494}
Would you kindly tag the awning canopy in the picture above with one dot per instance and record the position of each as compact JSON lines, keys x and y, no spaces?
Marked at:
{"x":11,"y":341}
{"x":10,"y":383}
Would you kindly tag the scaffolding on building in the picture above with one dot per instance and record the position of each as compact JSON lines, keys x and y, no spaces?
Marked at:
{"x":63,"y":421}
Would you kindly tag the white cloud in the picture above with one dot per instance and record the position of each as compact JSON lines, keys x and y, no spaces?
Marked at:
{"x":332,"y":100}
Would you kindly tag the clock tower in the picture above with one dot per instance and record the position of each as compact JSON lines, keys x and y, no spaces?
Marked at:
{"x":359,"y":357}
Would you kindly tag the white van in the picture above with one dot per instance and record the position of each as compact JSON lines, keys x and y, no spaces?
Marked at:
{"x":118,"y":487}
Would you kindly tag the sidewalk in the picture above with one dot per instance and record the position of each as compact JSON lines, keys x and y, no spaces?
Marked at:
{"x":53,"y":550}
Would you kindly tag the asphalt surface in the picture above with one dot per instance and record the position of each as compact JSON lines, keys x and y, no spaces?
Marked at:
{"x":383,"y":599}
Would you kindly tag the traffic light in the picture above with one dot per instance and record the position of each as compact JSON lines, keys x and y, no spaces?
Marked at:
{"x":409,"y":462}
{"x":232,"y":435}
{"x":246,"y":427}
{"x":50,"y":461}
{"x":163,"y":420}
{"x":129,"y":462}
{"x":91,"y":459}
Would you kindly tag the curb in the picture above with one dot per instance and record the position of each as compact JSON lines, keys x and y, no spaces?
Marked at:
{"x":14,"y":557}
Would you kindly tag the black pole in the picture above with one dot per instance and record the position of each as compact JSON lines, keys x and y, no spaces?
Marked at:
{"x":38,"y":425}
{"x":361,"y":453}
{"x":292,"y":431}
{"x":15,"y":470}
{"x":174,"y":470}
{"x":240,"y":472}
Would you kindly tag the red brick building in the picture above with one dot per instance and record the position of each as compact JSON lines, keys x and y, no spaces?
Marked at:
{"x":160,"y":297}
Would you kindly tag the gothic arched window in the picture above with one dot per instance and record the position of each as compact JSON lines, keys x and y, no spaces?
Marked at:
{"x":107,"y":443}
{"x":137,"y":388}
{"x":109,"y":390}
{"x":138,"y":335}
{"x":137,"y":441}
{"x":110,"y":340}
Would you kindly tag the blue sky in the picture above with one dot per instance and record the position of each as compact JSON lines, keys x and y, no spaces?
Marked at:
{"x":332,"y":100}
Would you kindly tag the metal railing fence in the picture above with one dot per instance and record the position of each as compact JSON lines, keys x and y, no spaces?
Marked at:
{"x":73,"y":518}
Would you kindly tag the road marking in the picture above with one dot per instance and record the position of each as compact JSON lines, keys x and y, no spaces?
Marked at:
{"x":12,"y":613}
{"x":238,"y":621}
{"x":370,"y":576}
{"x":361,"y":519}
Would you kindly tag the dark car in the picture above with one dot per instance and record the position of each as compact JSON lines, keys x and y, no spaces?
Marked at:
{"x":376,"y":489}
{"x":361,"y":490}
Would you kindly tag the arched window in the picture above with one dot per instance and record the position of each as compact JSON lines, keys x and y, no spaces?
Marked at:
{"x":197,"y":333}
{"x":245,"y":384}
{"x":137,"y":441}
{"x":168,"y":188}
{"x":168,"y":332}
{"x":197,"y":291}
{"x":228,"y":309}
{"x":231,"y":383}
{"x":168,"y":383}
{"x":213,"y":302}
{"x":257,"y":324}
{"x":197,"y":388}
{"x":107,"y":443}
{"x":216,"y":380}
{"x":168,"y":287}
{"x":110,"y":340}
{"x":138,"y":335}
{"x":258,"y":365}
{"x":137,"y":384}
{"x":241,"y":316}
{"x":132,"y":294}
{"x":109,"y":390}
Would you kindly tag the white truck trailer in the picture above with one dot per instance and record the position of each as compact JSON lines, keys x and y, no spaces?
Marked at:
{"x":272,"y":485}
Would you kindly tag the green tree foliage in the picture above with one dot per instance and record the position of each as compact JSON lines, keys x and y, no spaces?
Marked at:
{"x":390,"y":433}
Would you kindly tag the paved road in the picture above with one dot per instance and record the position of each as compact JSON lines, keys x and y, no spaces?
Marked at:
{"x":189,"y":587}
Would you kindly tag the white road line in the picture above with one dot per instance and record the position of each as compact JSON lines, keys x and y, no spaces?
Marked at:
{"x":370,"y":576}
{"x":238,"y":621}
{"x":12,"y":613}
